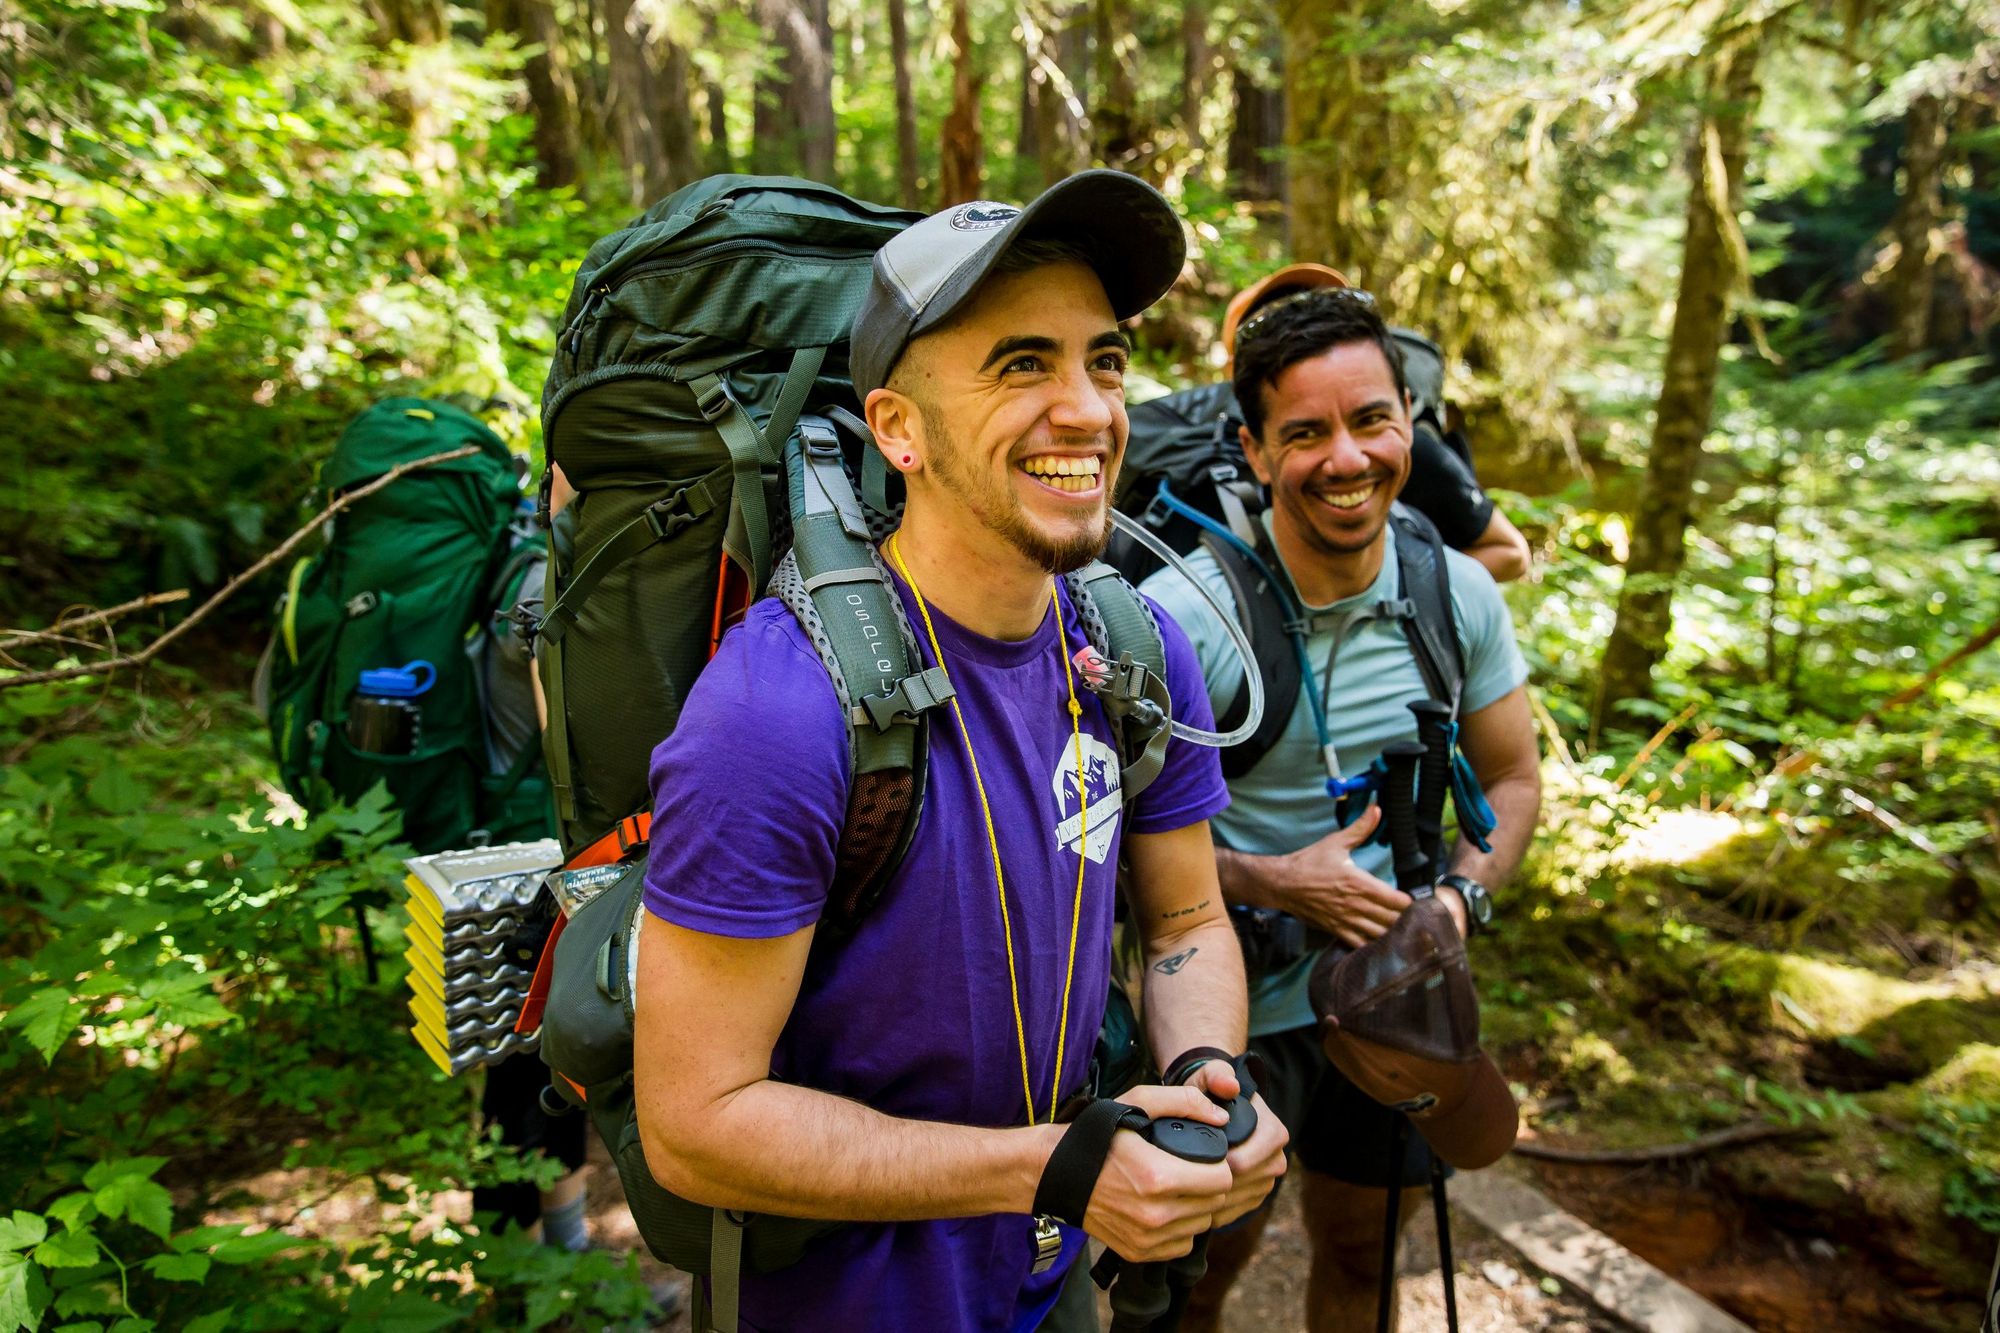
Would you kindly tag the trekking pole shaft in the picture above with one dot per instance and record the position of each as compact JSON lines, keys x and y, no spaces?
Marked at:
{"x":1441,"y":1210}
{"x":1385,"y":1290}
{"x":1433,"y":778}
{"x":1399,"y":813}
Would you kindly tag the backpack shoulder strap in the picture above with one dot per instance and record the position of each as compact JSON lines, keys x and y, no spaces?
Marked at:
{"x":1424,"y":590}
{"x":834,"y":583}
{"x":1262,"y":612}
{"x":1120,"y":626}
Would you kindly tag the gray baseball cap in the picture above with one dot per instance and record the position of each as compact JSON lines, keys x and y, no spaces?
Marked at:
{"x":1127,"y":229}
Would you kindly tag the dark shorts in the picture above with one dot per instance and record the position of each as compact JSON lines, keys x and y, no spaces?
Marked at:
{"x":1337,"y":1129}
{"x":512,"y":1100}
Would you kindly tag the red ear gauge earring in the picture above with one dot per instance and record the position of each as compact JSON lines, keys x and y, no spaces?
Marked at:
{"x":909,"y":459}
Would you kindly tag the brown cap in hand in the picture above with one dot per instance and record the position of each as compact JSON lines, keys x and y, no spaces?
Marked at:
{"x":1399,"y":1017}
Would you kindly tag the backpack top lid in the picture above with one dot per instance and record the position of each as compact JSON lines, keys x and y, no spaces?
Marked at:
{"x":402,"y":430}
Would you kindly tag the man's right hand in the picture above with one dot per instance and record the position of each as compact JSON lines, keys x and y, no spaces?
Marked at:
{"x":1149,"y":1205}
{"x":1325,"y":888}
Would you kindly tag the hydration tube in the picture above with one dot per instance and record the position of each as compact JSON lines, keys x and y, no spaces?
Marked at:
{"x":1336,"y":785}
{"x":1237,"y":638}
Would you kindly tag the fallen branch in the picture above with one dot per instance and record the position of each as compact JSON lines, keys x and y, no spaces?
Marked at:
{"x":229,"y":589}
{"x":66,"y":625}
{"x":1736,"y":1136}
{"x":1989,"y":635}
{"x":1914,"y":836}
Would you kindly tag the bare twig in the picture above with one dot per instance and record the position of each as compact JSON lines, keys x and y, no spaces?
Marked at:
{"x":66,"y":624}
{"x":1736,"y":1136}
{"x":1908,"y":833}
{"x":1647,"y":750}
{"x":229,"y":589}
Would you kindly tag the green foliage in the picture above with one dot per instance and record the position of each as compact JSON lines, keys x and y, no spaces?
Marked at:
{"x":181,"y":971}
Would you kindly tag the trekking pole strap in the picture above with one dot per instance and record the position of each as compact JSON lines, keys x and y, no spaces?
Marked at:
{"x":1070,"y":1177}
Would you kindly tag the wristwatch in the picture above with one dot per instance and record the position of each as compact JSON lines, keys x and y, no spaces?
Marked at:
{"x":1478,"y":903}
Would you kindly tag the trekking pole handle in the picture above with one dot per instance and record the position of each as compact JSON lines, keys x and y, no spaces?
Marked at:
{"x":1433,"y":777}
{"x":1399,"y":813}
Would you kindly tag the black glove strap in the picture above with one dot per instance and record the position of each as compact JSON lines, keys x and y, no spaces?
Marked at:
{"x":1071,"y":1175}
{"x":1178,"y":1071}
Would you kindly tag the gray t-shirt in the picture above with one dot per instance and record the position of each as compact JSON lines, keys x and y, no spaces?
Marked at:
{"x":1281,"y":805}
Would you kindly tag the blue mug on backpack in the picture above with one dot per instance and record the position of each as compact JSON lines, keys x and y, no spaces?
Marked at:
{"x":384,"y":716}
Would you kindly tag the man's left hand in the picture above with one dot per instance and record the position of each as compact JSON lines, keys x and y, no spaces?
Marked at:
{"x":1259,"y":1160}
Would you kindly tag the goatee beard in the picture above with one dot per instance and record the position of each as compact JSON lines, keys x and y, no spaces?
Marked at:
{"x":1000,"y":509}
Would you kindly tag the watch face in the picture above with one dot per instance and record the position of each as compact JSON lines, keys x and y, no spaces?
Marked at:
{"x":1481,"y":906}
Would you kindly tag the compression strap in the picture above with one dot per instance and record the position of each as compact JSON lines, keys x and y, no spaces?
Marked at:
{"x":895,"y":549}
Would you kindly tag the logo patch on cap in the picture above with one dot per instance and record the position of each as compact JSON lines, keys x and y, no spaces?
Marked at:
{"x":983,"y":217}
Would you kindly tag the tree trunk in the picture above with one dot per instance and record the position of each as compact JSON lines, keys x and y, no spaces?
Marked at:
{"x":1339,"y":148}
{"x":1256,"y":136}
{"x":794,"y":118}
{"x":676,"y":115}
{"x":1196,"y":70}
{"x":417,"y":22}
{"x":1115,"y":136}
{"x":1913,"y":280}
{"x":906,"y":107}
{"x":1053,"y":126}
{"x":635,"y":104}
{"x":961,"y":165}
{"x":551,"y":92}
{"x":1710,"y":272}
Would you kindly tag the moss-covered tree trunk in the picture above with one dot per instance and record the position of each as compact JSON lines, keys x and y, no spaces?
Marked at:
{"x":1919,"y":210}
{"x":551,"y":90}
{"x":794,"y":116}
{"x":1340,"y":152}
{"x":962,"y":146}
{"x":1710,"y":273}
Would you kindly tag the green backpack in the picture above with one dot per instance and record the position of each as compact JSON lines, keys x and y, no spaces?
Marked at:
{"x":700,"y":404}
{"x":375,"y":665}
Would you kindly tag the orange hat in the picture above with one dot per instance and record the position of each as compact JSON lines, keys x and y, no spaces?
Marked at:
{"x":1291,"y":278}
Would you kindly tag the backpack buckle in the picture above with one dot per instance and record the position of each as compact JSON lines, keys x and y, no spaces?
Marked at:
{"x":913,"y":694}
{"x":679,"y":510}
{"x":361,"y":604}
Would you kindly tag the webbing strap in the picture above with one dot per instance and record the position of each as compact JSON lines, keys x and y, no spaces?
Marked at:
{"x":1070,"y":1177}
{"x":1141,"y":707}
{"x":746,"y":453}
{"x":725,"y":1269}
{"x":656,"y":522}
{"x":1424,"y":584}
{"x":792,"y":397}
{"x":555,"y":740}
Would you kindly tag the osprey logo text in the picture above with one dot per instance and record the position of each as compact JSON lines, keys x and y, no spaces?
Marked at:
{"x":1107,"y":799}
{"x":983,"y":217}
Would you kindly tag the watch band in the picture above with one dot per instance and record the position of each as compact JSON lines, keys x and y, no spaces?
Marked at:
{"x":1190,"y":1060}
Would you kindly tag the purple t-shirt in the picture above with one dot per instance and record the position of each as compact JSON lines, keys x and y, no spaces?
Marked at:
{"x":912,"y":1013}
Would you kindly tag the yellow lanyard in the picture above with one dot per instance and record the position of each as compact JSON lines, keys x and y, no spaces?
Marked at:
{"x":993,"y":839}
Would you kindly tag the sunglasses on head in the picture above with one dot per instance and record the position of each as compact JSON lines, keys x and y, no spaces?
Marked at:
{"x":1332,"y":298}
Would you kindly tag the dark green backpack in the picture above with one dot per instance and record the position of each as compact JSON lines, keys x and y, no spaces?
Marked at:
{"x":413,"y":573}
{"x":700,"y":404}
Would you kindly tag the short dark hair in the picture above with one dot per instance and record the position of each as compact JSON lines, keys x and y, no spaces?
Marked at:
{"x":1297,"y":327}
{"x":1024,"y":256}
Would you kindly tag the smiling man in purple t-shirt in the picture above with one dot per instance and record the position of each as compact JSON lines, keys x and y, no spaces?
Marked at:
{"x":904,"y":1078}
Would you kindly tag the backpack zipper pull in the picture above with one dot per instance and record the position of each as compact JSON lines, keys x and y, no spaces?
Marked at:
{"x":573,"y":335}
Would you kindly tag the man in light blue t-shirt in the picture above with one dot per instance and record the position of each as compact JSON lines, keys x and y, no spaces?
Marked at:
{"x":1327,"y":430}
